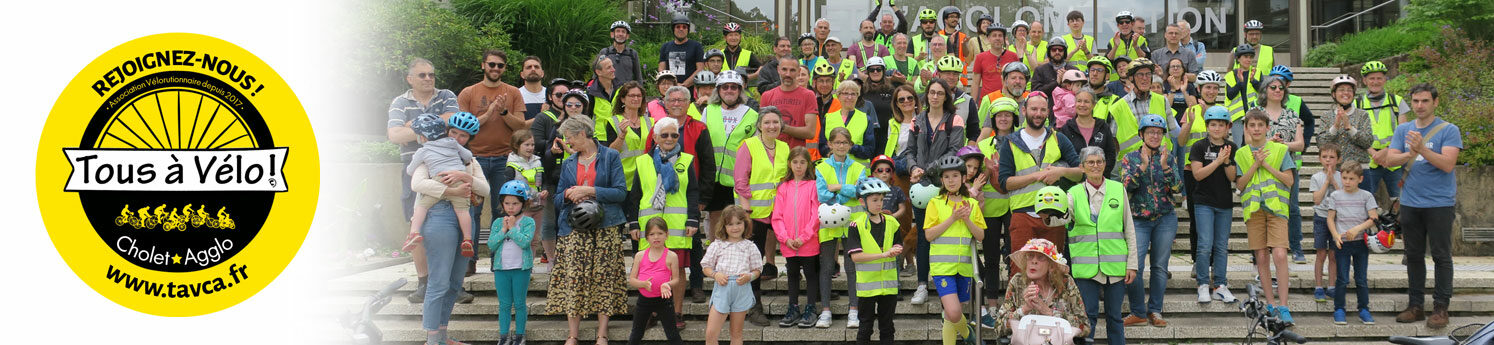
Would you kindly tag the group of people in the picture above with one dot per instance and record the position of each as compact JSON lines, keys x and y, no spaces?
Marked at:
{"x":1056,"y":170}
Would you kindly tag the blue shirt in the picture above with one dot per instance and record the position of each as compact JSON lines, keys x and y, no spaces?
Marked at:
{"x":847,"y":191}
{"x":1426,"y":186}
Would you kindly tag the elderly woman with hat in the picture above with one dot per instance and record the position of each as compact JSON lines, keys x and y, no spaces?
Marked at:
{"x":1042,"y":286}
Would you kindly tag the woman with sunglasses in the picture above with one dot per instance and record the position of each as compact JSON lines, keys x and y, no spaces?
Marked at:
{"x":551,"y":151}
{"x":876,"y":88}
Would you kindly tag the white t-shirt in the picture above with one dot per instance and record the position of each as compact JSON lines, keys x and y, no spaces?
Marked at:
{"x":732,"y":117}
{"x":1032,"y":142}
{"x":532,"y":97}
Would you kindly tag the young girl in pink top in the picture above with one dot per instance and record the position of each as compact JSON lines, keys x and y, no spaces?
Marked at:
{"x":653,"y":273}
{"x":797,"y":228}
{"x":1063,"y":96}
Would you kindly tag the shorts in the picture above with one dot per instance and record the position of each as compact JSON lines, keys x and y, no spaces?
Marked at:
{"x":721,"y":197}
{"x":1321,"y":238}
{"x":732,"y":298}
{"x":959,"y":285}
{"x":1266,"y":230}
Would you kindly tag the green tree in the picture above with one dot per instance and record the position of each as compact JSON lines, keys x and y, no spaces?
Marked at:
{"x":1476,"y":17}
{"x":400,"y":30}
{"x":565,"y":35}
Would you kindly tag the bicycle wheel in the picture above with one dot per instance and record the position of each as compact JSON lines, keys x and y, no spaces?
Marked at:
{"x":176,"y":118}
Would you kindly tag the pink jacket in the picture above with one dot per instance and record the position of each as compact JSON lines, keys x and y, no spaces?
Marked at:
{"x":794,"y":217}
{"x":1063,"y":106}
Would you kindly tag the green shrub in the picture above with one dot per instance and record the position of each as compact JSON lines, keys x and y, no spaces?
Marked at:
{"x":381,"y":151}
{"x":1465,"y":87}
{"x":1476,"y":17}
{"x":1399,"y":38}
{"x":565,"y":35}
{"x":1322,"y":55}
{"x":399,"y":30}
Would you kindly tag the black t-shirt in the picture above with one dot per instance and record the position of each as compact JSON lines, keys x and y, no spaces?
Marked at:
{"x":681,"y":58}
{"x":1216,"y":190}
{"x":878,"y":232}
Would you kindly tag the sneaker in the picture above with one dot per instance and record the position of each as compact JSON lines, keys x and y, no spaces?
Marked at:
{"x":1133,"y":320}
{"x":1203,"y":294}
{"x":465,"y":298}
{"x":1299,"y":258}
{"x":1338,"y":317}
{"x":1437,"y":319}
{"x":824,"y":321}
{"x":1273,"y":282}
{"x":920,"y":294}
{"x":1286,"y":315}
{"x":417,"y":296}
{"x":1411,"y":314}
{"x":790,"y":317}
{"x":1364,"y":317}
{"x":987,"y":321}
{"x":1222,"y":294}
{"x":806,"y":318}
{"x":1319,"y":294}
{"x":1156,"y":320}
{"x":503,"y":339}
{"x":852,"y":319}
{"x":517,"y":340}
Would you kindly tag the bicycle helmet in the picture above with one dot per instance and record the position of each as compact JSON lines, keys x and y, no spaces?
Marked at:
{"x":824,"y":70}
{"x":1004,"y":104}
{"x":1015,"y":66}
{"x":986,"y":18}
{"x":463,"y":121}
{"x":970,"y":151}
{"x":705,"y":78}
{"x":1217,"y":112}
{"x":950,"y":163}
{"x":586,"y":215}
{"x":577,"y":94}
{"x":680,"y":18}
{"x":1138,"y":64}
{"x":996,"y":27}
{"x":730,"y":28}
{"x":927,"y":14}
{"x":834,"y":216}
{"x":1254,"y":25}
{"x":666,"y":74}
{"x":833,"y":39}
{"x":1372,"y":67}
{"x":872,"y":185}
{"x":1073,"y":75}
{"x":430,"y":126}
{"x":1058,"y":42}
{"x":1283,"y":71}
{"x":882,"y":159}
{"x":875,"y":61}
{"x":729,"y":77}
{"x":1151,"y":120}
{"x":1102,"y":61}
{"x":948,"y":10}
{"x":715,"y":53}
{"x":621,"y":24}
{"x":515,"y":188}
{"x":559,"y":81}
{"x":1053,"y":202}
{"x":920,"y":194}
{"x":951,"y":63}
{"x":1019,"y":24}
{"x":1343,"y":79}
{"x":1206,"y":77}
{"x":1244,"y":49}
{"x":1382,"y":236}
{"x":1123,"y":15}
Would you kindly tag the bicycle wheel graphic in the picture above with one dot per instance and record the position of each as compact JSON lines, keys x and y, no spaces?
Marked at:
{"x":189,"y":111}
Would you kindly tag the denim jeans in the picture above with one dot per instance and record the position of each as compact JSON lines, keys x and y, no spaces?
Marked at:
{"x":1153,"y":238}
{"x":1373,"y":177}
{"x":1213,"y":244}
{"x":1428,"y":230}
{"x":1294,"y":216}
{"x":1358,"y":253}
{"x":495,"y":168}
{"x":1113,"y":294}
{"x":446,"y":264}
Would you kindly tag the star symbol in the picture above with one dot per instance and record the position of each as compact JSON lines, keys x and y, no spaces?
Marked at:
{"x":176,"y":259}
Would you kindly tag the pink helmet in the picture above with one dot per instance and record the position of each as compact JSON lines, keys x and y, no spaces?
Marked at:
{"x":969,"y":151}
{"x":1073,"y":75}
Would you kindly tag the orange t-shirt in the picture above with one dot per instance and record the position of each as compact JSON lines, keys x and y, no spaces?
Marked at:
{"x":496,"y":131}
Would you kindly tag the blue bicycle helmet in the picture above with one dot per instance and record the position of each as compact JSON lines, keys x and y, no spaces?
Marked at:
{"x":1217,"y":112}
{"x":515,"y":188}
{"x":463,"y":121}
{"x":1283,"y":71}
{"x":429,"y":126}
{"x":1152,"y":120}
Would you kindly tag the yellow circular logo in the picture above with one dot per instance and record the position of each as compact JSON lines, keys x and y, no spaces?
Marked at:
{"x":177,"y":174}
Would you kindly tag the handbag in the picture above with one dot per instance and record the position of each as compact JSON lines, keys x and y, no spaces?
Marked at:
{"x":1042,"y":329}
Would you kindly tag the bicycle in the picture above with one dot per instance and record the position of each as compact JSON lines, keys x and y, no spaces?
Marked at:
{"x":124,"y":216}
{"x":1275,"y":330}
{"x":1484,"y":335}
{"x":365,"y":332}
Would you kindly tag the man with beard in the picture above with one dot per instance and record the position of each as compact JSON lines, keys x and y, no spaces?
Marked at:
{"x":886,"y":28}
{"x":626,"y":59}
{"x":1047,"y":157}
{"x":800,"y":114}
{"x":533,"y":92}
{"x":988,"y":65}
{"x":954,"y":42}
{"x":1125,"y":113}
{"x":1014,"y":86}
{"x":1045,"y":76}
{"x":682,"y":56}
{"x":767,"y":74}
{"x":927,"y":33}
{"x":500,"y":111}
{"x":877,"y":91}
{"x":867,"y":48}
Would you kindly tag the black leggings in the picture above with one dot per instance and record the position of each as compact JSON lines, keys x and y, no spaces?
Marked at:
{"x":805,"y":268}
{"x":664,"y":309}
{"x":993,"y":255}
{"x":880,"y":309}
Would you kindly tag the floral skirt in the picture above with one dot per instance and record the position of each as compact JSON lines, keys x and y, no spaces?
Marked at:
{"x":589,"y":275}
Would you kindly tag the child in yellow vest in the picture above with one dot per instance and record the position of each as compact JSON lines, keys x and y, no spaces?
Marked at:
{"x":1263,"y":169}
{"x":952,"y":220}
{"x":873,"y":245}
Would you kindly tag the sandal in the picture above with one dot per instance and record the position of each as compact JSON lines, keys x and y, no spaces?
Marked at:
{"x":601,"y":340}
{"x":411,"y":240}
{"x":571,"y":341}
{"x":467,"y":248}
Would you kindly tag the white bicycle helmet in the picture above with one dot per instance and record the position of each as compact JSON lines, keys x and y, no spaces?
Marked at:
{"x":834,"y":216}
{"x":705,"y":78}
{"x":729,"y":77}
{"x":872,"y":185}
{"x":1208,"y":77}
{"x":621,"y":24}
{"x":921,"y":193}
{"x":1254,"y":25}
{"x":1123,"y":15}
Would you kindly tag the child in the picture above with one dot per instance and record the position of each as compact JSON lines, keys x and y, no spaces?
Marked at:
{"x":1213,"y":202}
{"x":1322,"y":186}
{"x":952,"y":219}
{"x":733,"y":262}
{"x":885,"y":169}
{"x":512,"y":260}
{"x":977,"y":183}
{"x":873,"y":245}
{"x":1063,"y":96}
{"x":798,"y":232}
{"x":524,"y":165}
{"x":655,"y":272}
{"x":835,"y":180}
{"x":1349,"y":216}
{"x":1264,"y":173}
{"x":441,"y":151}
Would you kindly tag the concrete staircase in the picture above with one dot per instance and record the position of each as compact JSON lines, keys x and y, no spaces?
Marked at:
{"x":1191,"y":322}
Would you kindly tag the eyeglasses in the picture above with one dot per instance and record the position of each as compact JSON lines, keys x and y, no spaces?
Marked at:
{"x":936,"y":93}
{"x":1094,"y":162}
{"x":729,"y":87}
{"x":431,"y":75}
{"x":906,"y":99}
{"x":497,"y":65}
{"x":572,"y":104}
{"x":1098,"y":70}
{"x":669,"y":135}
{"x":557,"y":94}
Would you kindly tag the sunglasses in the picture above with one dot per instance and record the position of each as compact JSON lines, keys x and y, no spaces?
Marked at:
{"x":729,"y":87}
{"x":557,"y":94}
{"x":573,"y":104}
{"x":906,"y":99}
{"x":497,"y":65}
{"x":431,"y":75}
{"x":884,"y":170}
{"x":1276,"y":87}
{"x":1123,"y":22}
{"x":669,"y":135}
{"x":876,"y":69}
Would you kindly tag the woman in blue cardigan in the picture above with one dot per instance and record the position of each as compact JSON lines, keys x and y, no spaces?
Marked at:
{"x":588,"y":277}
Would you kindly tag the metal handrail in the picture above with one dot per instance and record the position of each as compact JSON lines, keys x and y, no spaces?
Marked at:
{"x":1316,"y":29}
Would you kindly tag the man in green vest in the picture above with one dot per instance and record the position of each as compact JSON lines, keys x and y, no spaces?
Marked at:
{"x":1386,"y":111}
{"x":1127,"y":42}
{"x":1125,"y":112}
{"x":1264,"y":169}
{"x":874,"y":246}
{"x":1264,"y":60}
{"x":889,"y":25}
{"x":1035,"y":157}
{"x":928,"y":29}
{"x":729,"y":122}
{"x":736,"y":58}
{"x":1102,"y":243}
{"x":668,"y":189}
